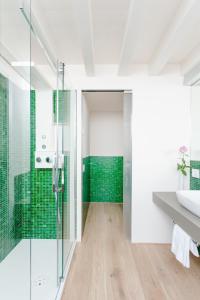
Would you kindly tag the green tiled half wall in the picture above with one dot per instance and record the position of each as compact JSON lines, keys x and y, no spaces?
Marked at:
{"x":6,"y":241}
{"x":22,"y":188}
{"x":43,"y":210}
{"x":85,"y":188}
{"x":44,"y":223}
{"x":103,"y":179}
{"x":194,"y":182}
{"x":14,"y":189}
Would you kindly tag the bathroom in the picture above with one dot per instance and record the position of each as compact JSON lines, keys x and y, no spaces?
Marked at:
{"x":96,"y":99}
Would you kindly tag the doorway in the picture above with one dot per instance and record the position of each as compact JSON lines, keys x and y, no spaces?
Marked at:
{"x":107,"y":152}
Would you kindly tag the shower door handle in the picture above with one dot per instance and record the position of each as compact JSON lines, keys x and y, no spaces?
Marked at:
{"x":56,"y":188}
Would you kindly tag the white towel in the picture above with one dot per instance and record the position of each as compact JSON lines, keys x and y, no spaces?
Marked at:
{"x":194,"y":249}
{"x":181,"y":246}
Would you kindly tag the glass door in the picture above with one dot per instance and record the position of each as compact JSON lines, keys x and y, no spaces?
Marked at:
{"x":52,"y":169}
{"x":69,"y":195}
{"x":47,"y":77}
{"x":65,"y":169}
{"x":15,"y":167}
{"x":58,"y":172}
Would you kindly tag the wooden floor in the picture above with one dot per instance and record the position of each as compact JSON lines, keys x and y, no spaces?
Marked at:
{"x":107,"y":267}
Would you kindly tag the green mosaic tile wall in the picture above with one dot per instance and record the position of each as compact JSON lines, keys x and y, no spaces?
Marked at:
{"x":103,"y":179}
{"x":86,"y":179}
{"x":66,"y":177}
{"x":14,"y":190}
{"x":106,"y":179}
{"x":22,"y":211}
{"x":63,"y":98}
{"x":5,"y":240}
{"x":86,"y":188}
{"x":194,"y":182}
{"x":44,"y":218}
{"x":32,"y":213}
{"x":66,"y":199}
{"x":43,"y":206}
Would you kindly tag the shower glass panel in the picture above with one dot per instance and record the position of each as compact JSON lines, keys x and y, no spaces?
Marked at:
{"x":37,"y":160}
{"x":15,"y":166}
{"x":52,"y":168}
{"x":69,"y":152}
{"x":65,"y":118}
{"x":59,"y":178}
{"x":46,"y":207}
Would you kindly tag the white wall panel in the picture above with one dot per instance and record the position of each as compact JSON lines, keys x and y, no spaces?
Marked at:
{"x":106,"y":133}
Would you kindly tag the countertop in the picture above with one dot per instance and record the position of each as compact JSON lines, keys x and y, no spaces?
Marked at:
{"x":168,"y":202}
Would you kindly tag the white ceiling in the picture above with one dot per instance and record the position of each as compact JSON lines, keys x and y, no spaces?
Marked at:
{"x":125,"y":33}
{"x":122,"y":32}
{"x":104,"y":101}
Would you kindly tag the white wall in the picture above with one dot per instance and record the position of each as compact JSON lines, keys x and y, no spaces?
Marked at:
{"x":12,"y":75}
{"x":160,"y":126}
{"x":195,"y":123}
{"x":85,"y":128}
{"x":161,"y":110}
{"x":106,"y":133}
{"x":45,"y":128}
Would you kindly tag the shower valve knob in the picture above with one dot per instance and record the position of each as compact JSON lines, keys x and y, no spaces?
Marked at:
{"x":38,"y":159}
{"x":48,"y":159}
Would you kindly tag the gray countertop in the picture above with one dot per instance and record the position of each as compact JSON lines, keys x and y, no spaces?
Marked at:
{"x":168,"y":202}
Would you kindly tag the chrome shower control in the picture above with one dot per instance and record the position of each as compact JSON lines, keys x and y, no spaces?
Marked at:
{"x":44,"y":159}
{"x":48,"y":159}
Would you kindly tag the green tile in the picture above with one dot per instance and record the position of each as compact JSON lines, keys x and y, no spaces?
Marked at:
{"x":106,"y":179}
{"x":11,"y":209}
{"x":33,"y":212}
{"x":86,"y":179}
{"x":5,"y":239}
{"x":43,"y":205}
{"x":85,"y":189}
{"x":103,"y":179}
{"x":194,"y":182}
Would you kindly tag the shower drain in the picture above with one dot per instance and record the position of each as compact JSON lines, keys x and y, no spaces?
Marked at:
{"x":39,"y":282}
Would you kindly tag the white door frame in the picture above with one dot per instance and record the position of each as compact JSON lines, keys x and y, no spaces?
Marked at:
{"x":79,"y":159}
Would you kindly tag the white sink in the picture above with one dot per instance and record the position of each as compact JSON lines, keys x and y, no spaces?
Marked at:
{"x":190,"y":200}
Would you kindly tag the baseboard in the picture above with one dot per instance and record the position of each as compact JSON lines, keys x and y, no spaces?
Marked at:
{"x":61,"y":289}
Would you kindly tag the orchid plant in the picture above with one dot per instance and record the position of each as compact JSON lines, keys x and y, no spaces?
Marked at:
{"x":183,"y":166}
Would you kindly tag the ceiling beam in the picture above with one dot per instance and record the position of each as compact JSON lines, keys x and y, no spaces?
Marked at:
{"x":127,"y":44}
{"x":165,"y":48}
{"x":83,"y":14}
{"x":191,"y":61}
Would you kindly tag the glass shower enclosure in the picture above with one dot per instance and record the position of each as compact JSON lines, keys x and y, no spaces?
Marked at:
{"x":37,"y":160}
{"x":15,"y":166}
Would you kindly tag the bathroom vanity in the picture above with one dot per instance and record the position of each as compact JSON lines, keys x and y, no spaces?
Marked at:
{"x":169,"y":203}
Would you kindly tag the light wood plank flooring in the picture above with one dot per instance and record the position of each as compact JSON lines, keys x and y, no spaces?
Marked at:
{"x":107,"y":267}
